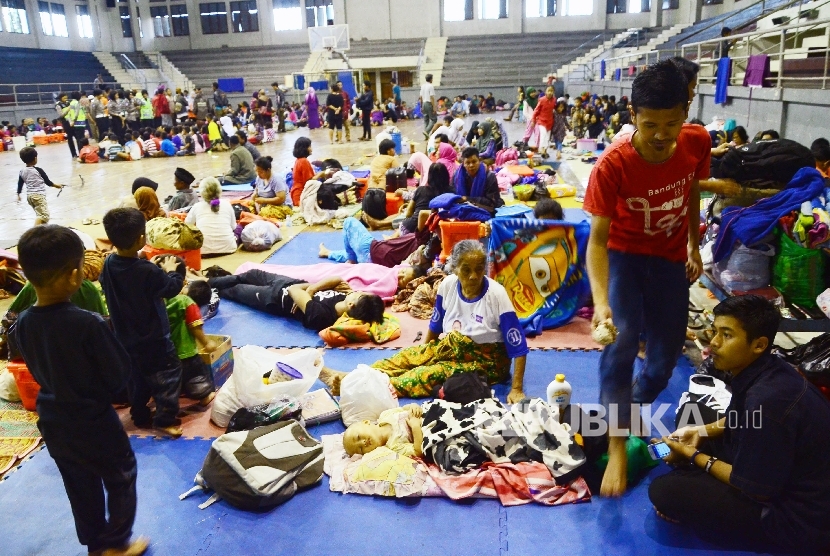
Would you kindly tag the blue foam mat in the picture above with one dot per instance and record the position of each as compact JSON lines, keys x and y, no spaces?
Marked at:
{"x":303,"y":249}
{"x":248,"y":326}
{"x":317,"y":521}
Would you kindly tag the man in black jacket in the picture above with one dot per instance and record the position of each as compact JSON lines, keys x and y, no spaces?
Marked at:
{"x":365,"y":102}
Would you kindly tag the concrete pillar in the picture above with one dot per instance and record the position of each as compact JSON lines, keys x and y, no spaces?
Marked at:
{"x":656,"y":15}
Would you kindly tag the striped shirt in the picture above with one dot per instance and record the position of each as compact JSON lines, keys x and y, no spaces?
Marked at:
{"x":35,"y":180}
{"x":113,"y":150}
{"x":150,"y":147}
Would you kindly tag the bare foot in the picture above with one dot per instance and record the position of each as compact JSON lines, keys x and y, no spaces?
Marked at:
{"x":641,"y":353}
{"x":324,"y":252}
{"x":615,"y":479}
{"x":664,"y":516}
{"x":332,"y":379}
{"x":135,"y":548}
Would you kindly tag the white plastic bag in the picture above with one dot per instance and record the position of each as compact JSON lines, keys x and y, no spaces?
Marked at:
{"x":225,"y":404}
{"x":823,"y":302}
{"x":259,"y":235}
{"x":251,"y":363}
{"x":567,"y":175}
{"x":8,"y":387}
{"x":365,"y":393}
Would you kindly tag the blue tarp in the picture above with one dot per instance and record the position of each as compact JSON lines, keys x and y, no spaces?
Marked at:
{"x":541,"y":264}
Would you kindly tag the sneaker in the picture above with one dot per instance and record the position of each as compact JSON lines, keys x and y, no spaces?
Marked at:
{"x":135,"y":548}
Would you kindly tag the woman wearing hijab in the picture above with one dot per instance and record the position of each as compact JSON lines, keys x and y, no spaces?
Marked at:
{"x":475,"y":184}
{"x":486,"y":143}
{"x":148,"y":203}
{"x":454,"y":132}
{"x":531,"y":99}
{"x":421,"y":163}
{"x":312,"y":108}
{"x":448,"y":157}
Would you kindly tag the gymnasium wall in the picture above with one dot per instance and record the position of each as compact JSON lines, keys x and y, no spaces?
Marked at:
{"x":367,"y":19}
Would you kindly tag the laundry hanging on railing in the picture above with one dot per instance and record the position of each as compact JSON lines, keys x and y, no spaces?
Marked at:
{"x":602,"y":70}
{"x":757,"y":71}
{"x":722,"y":80}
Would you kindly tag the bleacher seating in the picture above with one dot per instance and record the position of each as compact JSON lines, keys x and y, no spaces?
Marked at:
{"x":258,"y":66}
{"x":640,"y":38}
{"x":512,"y":59}
{"x":711,"y":28}
{"x":376,"y":49}
{"x":39,"y":71}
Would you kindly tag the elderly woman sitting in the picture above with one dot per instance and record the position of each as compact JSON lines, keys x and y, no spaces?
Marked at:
{"x":482,"y":334}
{"x":215,"y":218}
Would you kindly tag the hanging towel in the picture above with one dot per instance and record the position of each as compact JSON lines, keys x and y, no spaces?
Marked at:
{"x":752,"y":224}
{"x":757,"y":71}
{"x":631,"y":70}
{"x":618,"y":74}
{"x":602,"y":70}
{"x":722,"y":80}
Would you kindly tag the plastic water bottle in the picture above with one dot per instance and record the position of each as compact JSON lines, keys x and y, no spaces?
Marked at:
{"x":288,"y":221}
{"x":559,"y":393}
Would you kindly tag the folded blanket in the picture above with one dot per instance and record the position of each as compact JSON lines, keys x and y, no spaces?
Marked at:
{"x":383,"y":472}
{"x":348,"y":330}
{"x":311,"y":211}
{"x":363,"y":277}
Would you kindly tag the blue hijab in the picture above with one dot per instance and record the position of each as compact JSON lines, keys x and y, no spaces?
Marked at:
{"x":478,"y":182}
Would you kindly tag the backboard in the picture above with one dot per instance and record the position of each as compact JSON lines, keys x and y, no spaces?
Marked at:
{"x":330,"y":37}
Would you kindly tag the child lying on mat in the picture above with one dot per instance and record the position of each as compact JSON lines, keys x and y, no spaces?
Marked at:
{"x":398,"y":429}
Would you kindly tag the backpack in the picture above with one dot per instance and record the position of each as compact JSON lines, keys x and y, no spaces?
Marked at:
{"x":774,"y":161}
{"x":374,"y":203}
{"x":260,"y":468}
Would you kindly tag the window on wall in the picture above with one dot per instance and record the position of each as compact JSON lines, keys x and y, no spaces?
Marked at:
{"x":319,"y":13}
{"x":671,"y":4}
{"x":181,"y":26}
{"x":126,"y":27}
{"x":288,"y":15}
{"x":579,"y":7}
{"x":458,"y":10}
{"x":244,"y":17}
{"x":711,"y":2}
{"x":214,"y":17}
{"x":84,"y":21}
{"x":540,"y":8}
{"x":14,"y":16}
{"x":492,"y":9}
{"x":53,"y":19}
{"x":161,"y":21}
{"x":616,"y":6}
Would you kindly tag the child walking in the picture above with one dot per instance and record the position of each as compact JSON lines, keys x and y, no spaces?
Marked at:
{"x":79,"y":372}
{"x":135,"y":290}
{"x":35,"y":180}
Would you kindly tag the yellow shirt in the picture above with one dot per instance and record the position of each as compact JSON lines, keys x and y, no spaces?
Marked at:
{"x":400,"y":441}
{"x":377,"y":170}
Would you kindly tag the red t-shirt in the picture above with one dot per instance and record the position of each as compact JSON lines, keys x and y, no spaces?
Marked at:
{"x":648,"y":203}
{"x":544,"y":112}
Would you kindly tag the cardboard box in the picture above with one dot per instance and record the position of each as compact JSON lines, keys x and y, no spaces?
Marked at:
{"x":220,"y":360}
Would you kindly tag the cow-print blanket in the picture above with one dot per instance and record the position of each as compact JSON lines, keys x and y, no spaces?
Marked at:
{"x":458,"y":437}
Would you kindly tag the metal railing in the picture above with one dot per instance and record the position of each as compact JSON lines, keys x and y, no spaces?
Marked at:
{"x":623,"y":61}
{"x":168,"y":71}
{"x":136,"y":74}
{"x":773,"y":43}
{"x":30,"y":94}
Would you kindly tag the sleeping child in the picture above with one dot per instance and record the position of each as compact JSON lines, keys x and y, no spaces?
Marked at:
{"x":398,"y":429}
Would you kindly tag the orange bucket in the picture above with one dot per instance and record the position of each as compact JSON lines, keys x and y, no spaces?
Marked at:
{"x":27,"y":386}
{"x":454,"y":231}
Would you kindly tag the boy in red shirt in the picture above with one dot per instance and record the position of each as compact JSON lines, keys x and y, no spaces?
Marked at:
{"x":643,"y":250}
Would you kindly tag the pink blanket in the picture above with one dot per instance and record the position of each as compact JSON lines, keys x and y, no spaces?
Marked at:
{"x":364,"y":277}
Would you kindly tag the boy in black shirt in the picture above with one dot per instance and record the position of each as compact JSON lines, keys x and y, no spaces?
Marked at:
{"x":759,"y":477}
{"x":135,"y":290}
{"x":79,"y":365}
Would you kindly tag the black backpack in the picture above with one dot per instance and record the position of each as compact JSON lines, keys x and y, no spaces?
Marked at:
{"x":775,"y":161}
{"x":374,"y":203}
